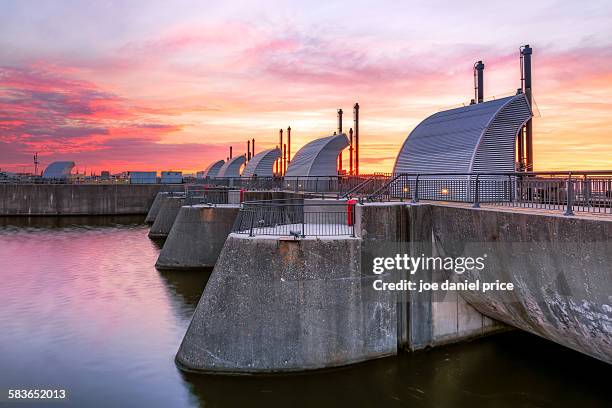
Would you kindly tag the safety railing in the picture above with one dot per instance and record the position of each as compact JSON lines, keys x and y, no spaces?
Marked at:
{"x":296,"y":217}
{"x":570,"y":192}
{"x":368,"y":186}
{"x":339,"y":185}
{"x":197,"y":194}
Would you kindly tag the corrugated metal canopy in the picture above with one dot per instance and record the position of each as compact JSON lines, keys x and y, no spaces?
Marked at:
{"x":318,"y":158}
{"x":231,"y":168}
{"x":58,"y":170}
{"x":213,"y":169}
{"x":262,"y":163}
{"x":475,"y":138}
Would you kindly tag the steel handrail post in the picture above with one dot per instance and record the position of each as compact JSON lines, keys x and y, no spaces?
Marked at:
{"x":415,"y":198}
{"x":477,"y":193}
{"x":569,"y":210}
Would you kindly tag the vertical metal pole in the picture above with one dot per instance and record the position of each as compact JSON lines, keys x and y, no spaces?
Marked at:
{"x":356,"y":126}
{"x":248,"y":150}
{"x":477,"y":193}
{"x":340,"y":132}
{"x":526,"y":52}
{"x":288,"y":144}
{"x":570,"y":196}
{"x":415,"y":198}
{"x":284,"y":159}
{"x":276,"y":166}
{"x":280,"y":144}
{"x":353,"y":219}
{"x":586,"y":192}
{"x":253,"y":146}
{"x":252,"y":222}
{"x":351,"y":151}
{"x":479,"y":85}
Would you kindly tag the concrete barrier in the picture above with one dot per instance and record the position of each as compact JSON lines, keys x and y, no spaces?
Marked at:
{"x":168,"y":211}
{"x":281,"y":305}
{"x":425,"y":319}
{"x":561,"y":268}
{"x":77,"y":199}
{"x":197,"y":236}
{"x":154,"y":209}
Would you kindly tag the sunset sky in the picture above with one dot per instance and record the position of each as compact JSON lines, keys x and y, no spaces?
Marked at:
{"x":160,"y":85}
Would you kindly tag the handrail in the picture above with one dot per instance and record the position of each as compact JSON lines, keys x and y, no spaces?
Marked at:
{"x":377,"y":192}
{"x":581,"y":191}
{"x":357,"y":187}
{"x":332,"y":218}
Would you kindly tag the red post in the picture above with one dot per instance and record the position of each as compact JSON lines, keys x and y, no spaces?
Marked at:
{"x":350,"y":209}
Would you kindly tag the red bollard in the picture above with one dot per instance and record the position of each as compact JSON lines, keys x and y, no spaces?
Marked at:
{"x":350,"y":208}
{"x":241,"y":194}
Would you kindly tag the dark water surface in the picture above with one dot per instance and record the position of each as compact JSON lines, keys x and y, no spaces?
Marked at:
{"x":82,"y":308}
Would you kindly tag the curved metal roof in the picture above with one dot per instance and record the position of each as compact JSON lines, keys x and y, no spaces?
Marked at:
{"x":474,"y":138}
{"x":231,"y":168}
{"x":58,"y":170}
{"x":261,"y":164}
{"x":213,"y":169}
{"x":318,"y":158}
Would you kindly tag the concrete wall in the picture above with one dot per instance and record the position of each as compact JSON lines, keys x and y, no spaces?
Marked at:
{"x":428,"y":318}
{"x":197,"y":236}
{"x":282,"y":305}
{"x":561,"y":268}
{"x":76,"y":199}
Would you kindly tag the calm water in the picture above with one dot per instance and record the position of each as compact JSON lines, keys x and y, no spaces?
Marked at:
{"x":82,"y":308}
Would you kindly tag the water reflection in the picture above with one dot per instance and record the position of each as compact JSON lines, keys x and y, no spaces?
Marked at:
{"x":507,"y":370}
{"x":185,"y":288}
{"x":84,"y":309}
{"x":76,"y":221}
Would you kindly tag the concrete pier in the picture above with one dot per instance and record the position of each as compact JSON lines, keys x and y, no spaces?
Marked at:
{"x":168,"y":211}
{"x":561,"y":268}
{"x":281,"y":305}
{"x":197,"y":236}
{"x":425,"y":319}
{"x":275,"y":305}
{"x":154,"y":209}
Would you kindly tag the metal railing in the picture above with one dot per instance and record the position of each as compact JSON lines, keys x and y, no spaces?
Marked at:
{"x":311,"y":184}
{"x":570,"y":192}
{"x":368,"y":186}
{"x":197,"y":194}
{"x":296,"y":217}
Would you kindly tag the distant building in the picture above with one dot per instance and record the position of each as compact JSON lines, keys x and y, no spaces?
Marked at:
{"x":171,"y":177}
{"x":105,"y":175}
{"x":59,"y":170}
{"x":143,"y":177}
